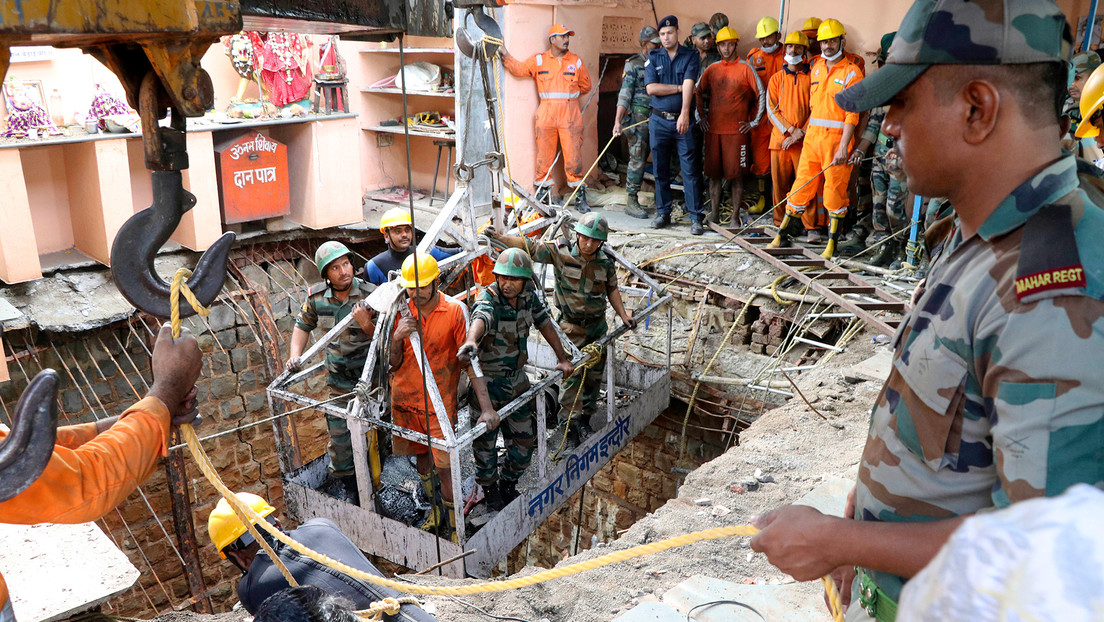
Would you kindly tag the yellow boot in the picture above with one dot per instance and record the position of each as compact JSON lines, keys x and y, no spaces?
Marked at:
{"x":760,"y":205}
{"x":833,"y":235}
{"x":781,"y":239}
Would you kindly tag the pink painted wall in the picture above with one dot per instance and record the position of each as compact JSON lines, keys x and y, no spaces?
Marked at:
{"x":48,"y":194}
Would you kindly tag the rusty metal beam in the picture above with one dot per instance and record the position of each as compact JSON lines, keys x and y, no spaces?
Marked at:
{"x":789,"y":260}
{"x":177,"y":476}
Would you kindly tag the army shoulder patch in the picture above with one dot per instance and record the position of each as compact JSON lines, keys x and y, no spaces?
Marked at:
{"x":1049,"y":261}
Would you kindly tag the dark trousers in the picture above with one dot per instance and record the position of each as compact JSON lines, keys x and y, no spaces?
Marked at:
{"x":665,"y":138}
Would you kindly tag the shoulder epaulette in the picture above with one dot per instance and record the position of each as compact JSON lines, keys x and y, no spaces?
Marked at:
{"x":1050,"y":264}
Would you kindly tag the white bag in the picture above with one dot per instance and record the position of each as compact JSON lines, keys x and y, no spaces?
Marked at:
{"x":420,"y":76}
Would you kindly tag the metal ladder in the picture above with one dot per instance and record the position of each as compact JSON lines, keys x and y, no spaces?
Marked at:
{"x":845,"y":289}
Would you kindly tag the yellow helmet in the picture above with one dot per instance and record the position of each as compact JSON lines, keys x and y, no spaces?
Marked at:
{"x":427,"y":270}
{"x":1092,"y":100}
{"x":727,"y":34}
{"x":811,"y":24}
{"x":797,"y":38}
{"x":830,"y":29}
{"x":395,"y":217}
{"x":766,"y":27}
{"x":223,"y":525}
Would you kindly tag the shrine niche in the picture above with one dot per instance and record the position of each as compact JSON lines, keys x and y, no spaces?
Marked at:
{"x":252,"y":174}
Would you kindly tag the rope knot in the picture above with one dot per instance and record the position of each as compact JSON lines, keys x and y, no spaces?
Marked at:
{"x":388,"y":606}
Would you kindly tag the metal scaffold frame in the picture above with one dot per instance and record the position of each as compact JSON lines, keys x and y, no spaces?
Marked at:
{"x":409,"y":545}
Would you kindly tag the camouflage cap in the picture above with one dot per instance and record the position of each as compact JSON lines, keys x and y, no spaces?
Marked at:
{"x":700,"y":29}
{"x":963,"y":32}
{"x":648,"y":34}
{"x":1083,"y":62}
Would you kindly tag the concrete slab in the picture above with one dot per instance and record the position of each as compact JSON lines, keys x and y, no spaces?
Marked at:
{"x":830,"y":497}
{"x":56,"y":571}
{"x":875,"y":368}
{"x":790,"y":602}
{"x":652,"y":612}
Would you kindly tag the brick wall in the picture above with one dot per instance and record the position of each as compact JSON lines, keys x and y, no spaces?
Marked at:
{"x":105,"y":364}
{"x":636,"y":481}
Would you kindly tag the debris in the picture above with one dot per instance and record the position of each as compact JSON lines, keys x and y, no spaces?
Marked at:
{"x":736,"y":488}
{"x":720,"y":511}
{"x":704,"y":501}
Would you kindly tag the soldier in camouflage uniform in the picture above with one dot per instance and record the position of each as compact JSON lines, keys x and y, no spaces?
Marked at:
{"x":328,"y":303}
{"x":634,"y":106}
{"x":585,"y":279}
{"x":994,"y":395}
{"x":499,"y":331}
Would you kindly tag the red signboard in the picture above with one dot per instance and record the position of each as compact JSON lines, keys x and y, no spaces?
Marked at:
{"x":252,"y":178}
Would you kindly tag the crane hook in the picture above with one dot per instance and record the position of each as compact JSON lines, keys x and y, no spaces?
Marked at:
{"x":140,"y":237}
{"x":26,"y":451}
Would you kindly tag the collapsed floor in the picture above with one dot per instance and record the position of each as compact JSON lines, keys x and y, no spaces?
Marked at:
{"x":779,"y":448}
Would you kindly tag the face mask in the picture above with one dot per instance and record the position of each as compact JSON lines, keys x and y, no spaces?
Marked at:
{"x":833,"y":57}
{"x":794,"y":60}
{"x":771,"y":49}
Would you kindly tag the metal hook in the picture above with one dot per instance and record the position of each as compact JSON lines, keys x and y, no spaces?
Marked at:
{"x":140,"y":237}
{"x":470,"y":40}
{"x":26,"y":451}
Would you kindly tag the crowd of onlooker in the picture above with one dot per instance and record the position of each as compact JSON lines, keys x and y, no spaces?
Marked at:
{"x":750,"y":132}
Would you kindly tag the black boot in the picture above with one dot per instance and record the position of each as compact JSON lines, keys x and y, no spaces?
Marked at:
{"x":632,"y":207}
{"x":696,"y":227}
{"x":351,"y":490}
{"x":507,"y":491}
{"x":581,"y":200}
{"x":492,"y":494}
{"x":661,"y":222}
{"x":887,"y":253}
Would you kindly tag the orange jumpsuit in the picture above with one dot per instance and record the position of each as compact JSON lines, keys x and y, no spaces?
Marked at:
{"x":558,"y":121}
{"x":788,"y":110}
{"x":765,"y":66}
{"x":90,"y":474}
{"x":826,"y":123}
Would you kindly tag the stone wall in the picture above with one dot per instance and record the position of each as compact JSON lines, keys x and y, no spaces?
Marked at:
{"x":110,"y":366}
{"x":638,"y":480}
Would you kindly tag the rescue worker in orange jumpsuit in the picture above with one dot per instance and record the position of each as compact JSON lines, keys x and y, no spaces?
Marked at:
{"x":788,"y":111}
{"x":95,"y":466}
{"x":809,"y":29}
{"x":561,"y":78}
{"x":766,"y":60}
{"x":828,"y":142}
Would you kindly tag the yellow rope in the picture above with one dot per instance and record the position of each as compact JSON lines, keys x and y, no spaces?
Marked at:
{"x":593,"y":351}
{"x":252,"y":519}
{"x":388,"y":606}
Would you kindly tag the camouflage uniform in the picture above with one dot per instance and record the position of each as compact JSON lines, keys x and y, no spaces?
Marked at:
{"x":344,"y":359}
{"x":889,"y":192}
{"x":502,"y":355}
{"x":994,"y":395}
{"x":634,"y":97}
{"x":581,"y":292}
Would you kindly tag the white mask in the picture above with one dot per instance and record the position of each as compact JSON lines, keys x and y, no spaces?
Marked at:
{"x":833,"y":57}
{"x":770,"y":49}
{"x":794,"y":60}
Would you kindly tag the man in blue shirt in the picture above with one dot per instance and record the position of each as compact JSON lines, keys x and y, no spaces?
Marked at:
{"x":398,"y":232}
{"x":670,"y":74}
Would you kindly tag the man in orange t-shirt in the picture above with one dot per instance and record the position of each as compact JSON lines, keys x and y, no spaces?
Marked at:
{"x":441,"y":324}
{"x":730,"y":103}
{"x":95,"y":466}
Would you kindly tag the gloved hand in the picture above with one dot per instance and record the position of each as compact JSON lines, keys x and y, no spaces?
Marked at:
{"x":466,"y":353}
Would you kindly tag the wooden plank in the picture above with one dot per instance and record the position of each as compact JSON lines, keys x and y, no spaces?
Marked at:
{"x":882,"y":306}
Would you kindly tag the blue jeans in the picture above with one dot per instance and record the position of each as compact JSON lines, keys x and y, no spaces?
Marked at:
{"x":664,"y":137}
